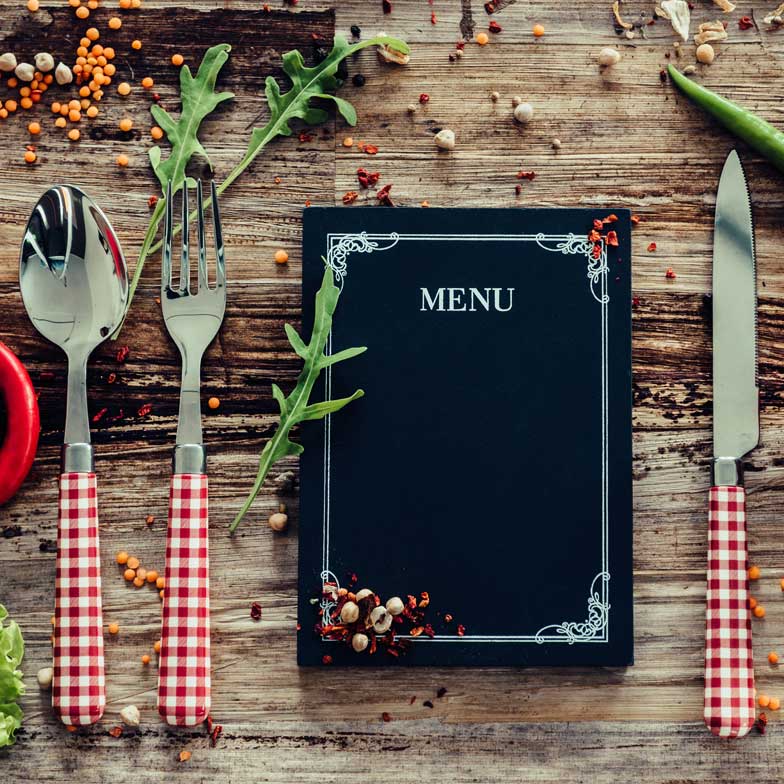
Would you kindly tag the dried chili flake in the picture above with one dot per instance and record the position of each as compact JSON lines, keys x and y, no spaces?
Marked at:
{"x":304,"y":136}
{"x":670,"y":274}
{"x":597,"y":225}
{"x":612,"y":238}
{"x":111,"y":378}
{"x":745,"y":23}
{"x":349,"y":197}
{"x":526,"y":175}
{"x":416,"y":631}
{"x":152,"y":201}
{"x":489,"y":8}
{"x":635,"y":219}
{"x":594,"y":236}
{"x":386,"y":6}
{"x":277,"y":180}
{"x":255,"y":611}
{"x":119,"y":415}
{"x":326,"y":659}
{"x":122,"y":353}
{"x":386,"y":716}
{"x":460,"y":630}
{"x":412,"y":700}
{"x":460,"y":45}
{"x":150,"y":519}
{"x":144,"y":410}
{"x":99,"y":415}
{"x":441,"y":692}
{"x":383,"y":196}
{"x":370,"y":149}
{"x":424,"y":599}
{"x":215,"y":734}
{"x":367,"y":179}
{"x":761,"y":724}
{"x":518,"y":189}
{"x":494,"y":27}
{"x":597,"y":251}
{"x":208,"y":721}
{"x":635,"y":302}
{"x":433,"y":17}
{"x":115,"y":732}
{"x":652,"y":247}
{"x":353,"y":579}
{"x":424,"y":98}
{"x":448,"y":618}
{"x":611,"y":218}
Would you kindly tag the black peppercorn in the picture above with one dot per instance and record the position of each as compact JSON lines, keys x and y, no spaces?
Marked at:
{"x":356,"y":31}
{"x":358,"y":80}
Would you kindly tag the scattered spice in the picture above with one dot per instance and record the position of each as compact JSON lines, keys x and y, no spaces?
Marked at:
{"x":349,"y":197}
{"x":424,"y":98}
{"x":670,"y":274}
{"x":759,"y":611}
{"x":494,"y":27}
{"x":482,"y":39}
{"x":428,"y":704}
{"x":383,"y":196}
{"x":386,"y":716}
{"x":326,"y":659}
{"x":99,"y":415}
{"x":115,"y":732}
{"x":122,"y":354}
{"x":526,"y":175}
{"x":144,"y":410}
{"x":441,"y":692}
{"x":281,"y":256}
{"x":761,"y":723}
{"x":652,"y":247}
{"x":213,"y":403}
{"x":184,"y":755}
{"x":150,"y":519}
{"x":745,"y":23}
{"x":754,"y":573}
{"x":255,"y":611}
{"x":367,"y":179}
{"x":538,"y":30}
{"x":460,"y":630}
{"x":773,"y":657}
{"x":774,"y":704}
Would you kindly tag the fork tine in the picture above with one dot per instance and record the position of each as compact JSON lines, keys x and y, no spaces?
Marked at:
{"x":202,"y":240}
{"x":219,"y":252}
{"x":185,"y":274}
{"x":167,"y":241}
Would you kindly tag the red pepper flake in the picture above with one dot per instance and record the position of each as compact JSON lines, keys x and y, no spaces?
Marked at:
{"x":597,"y":225}
{"x":386,"y":6}
{"x":518,"y":189}
{"x":670,"y":274}
{"x":460,"y":630}
{"x":526,"y":175}
{"x":144,"y":410}
{"x":215,"y":734}
{"x":326,"y":659}
{"x":115,"y":732}
{"x":594,"y":236}
{"x":386,"y":716}
{"x":111,"y":378}
{"x":150,"y":519}
{"x":448,"y":618}
{"x":97,"y":417}
{"x":122,"y":353}
{"x":460,"y":45}
{"x":635,"y":219}
{"x":489,"y":8}
{"x":745,"y":23}
{"x":652,"y":247}
{"x":349,"y":197}
{"x":304,"y":136}
{"x":424,"y":98}
{"x":119,"y":415}
{"x":597,"y":250}
{"x":761,"y":724}
{"x":277,"y":180}
{"x":255,"y":611}
{"x":152,"y":201}
{"x":412,"y":700}
{"x":432,"y":17}
{"x":370,"y":149}
{"x":611,"y":218}
{"x":416,"y":631}
{"x":494,"y":27}
{"x":383,"y":196}
{"x":353,"y":579}
{"x":612,"y":238}
{"x":441,"y":692}
{"x":367,"y":179}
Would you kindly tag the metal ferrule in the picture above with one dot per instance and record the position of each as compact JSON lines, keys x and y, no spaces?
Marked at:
{"x":77,"y":459}
{"x":190,"y":459}
{"x":727,"y":472}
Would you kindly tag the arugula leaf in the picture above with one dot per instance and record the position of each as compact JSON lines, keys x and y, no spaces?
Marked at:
{"x":294,"y":408}
{"x":11,"y":685}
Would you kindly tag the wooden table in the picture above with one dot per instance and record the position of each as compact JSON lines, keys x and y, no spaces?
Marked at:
{"x":627,"y":140}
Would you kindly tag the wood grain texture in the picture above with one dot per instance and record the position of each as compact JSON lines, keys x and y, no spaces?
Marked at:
{"x":628,"y":141}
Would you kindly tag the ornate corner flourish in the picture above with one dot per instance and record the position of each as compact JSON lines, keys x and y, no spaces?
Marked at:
{"x":580,"y":246}
{"x":340,"y":246}
{"x":329,"y":596}
{"x":590,"y":629}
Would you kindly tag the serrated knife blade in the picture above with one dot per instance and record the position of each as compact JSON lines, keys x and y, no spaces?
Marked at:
{"x":735,"y":393}
{"x":729,"y":667}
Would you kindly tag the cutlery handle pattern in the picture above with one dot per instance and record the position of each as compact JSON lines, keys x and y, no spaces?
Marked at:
{"x":184,"y":664}
{"x":78,"y":687}
{"x":729,"y":667}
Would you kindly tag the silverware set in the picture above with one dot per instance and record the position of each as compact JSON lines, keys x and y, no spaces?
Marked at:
{"x":74,"y":284}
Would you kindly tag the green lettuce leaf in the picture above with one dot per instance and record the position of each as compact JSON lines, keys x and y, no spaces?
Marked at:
{"x":11,"y":685}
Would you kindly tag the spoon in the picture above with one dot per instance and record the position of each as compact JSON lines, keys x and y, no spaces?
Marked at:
{"x":74,"y":284}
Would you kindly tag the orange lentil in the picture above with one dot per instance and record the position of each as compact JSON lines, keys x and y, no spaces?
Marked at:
{"x":138,"y":582}
{"x":185,"y":755}
{"x":136,"y":3}
{"x":147,"y":82}
{"x":96,"y":50}
{"x":109,"y":69}
{"x":10,"y":105}
{"x":12,"y":82}
{"x":48,"y":78}
{"x":482,"y":39}
{"x":85,"y":103}
{"x":26,"y":103}
{"x":74,"y":115}
{"x":538,"y":30}
{"x":37,"y":75}
{"x":81,"y":54}
{"x":157,"y":133}
{"x":129,"y":574}
{"x":24,"y":91}
{"x":123,"y":88}
{"x":754,"y":573}
{"x":763,"y":700}
{"x":73,"y":104}
{"x":281,"y":257}
{"x":85,"y":42}
{"x":160,"y":582}
{"x":136,"y":44}
{"x":157,"y":646}
{"x":213,"y":403}
{"x":348,"y":142}
{"x":74,"y":3}
{"x":177,"y":59}
{"x":133,"y":562}
{"x":3,"y":112}
{"x":82,"y":12}
{"x":160,"y":593}
{"x":774,"y":703}
{"x":114,"y":628}
{"x":32,"y":5}
{"x":36,"y":96}
{"x":126,"y":124}
{"x":92,"y":4}
{"x":64,"y":110}
{"x":93,"y":85}
{"x":115,"y":23}
{"x":84,"y":91}
{"x":30,"y":156}
{"x":34,"y":128}
{"x":152,"y":576}
{"x":125,"y":3}
{"x":752,"y":602}
{"x":92,"y":111}
{"x":773,"y":657}
{"x":759,"y":611}
{"x":108,"y":53}
{"x":92,"y":33}
{"x":61,"y":122}
{"x":121,"y":557}
{"x":141,"y":573}
{"x":102,"y":62}
{"x":146,"y":659}
{"x":91,"y":60}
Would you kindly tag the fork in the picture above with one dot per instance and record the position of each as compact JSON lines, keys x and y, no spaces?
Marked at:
{"x":193,"y":316}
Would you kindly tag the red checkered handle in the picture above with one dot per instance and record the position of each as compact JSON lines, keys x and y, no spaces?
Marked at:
{"x":78,"y":688}
{"x":184,"y":665}
{"x":729,"y":667}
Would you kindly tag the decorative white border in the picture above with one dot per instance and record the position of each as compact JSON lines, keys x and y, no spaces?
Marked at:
{"x":595,"y":629}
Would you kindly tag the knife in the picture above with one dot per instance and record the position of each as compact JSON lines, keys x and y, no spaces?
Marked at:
{"x":729,"y":668}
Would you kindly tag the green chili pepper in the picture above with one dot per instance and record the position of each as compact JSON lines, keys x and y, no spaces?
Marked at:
{"x":756,"y":132}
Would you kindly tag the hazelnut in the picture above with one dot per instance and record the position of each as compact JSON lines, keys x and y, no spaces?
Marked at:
{"x":131,"y":716}
{"x":495,"y":96}
{"x":365,"y":592}
{"x":7,"y":62}
{"x":556,"y":144}
{"x":516,"y":100}
{"x":445,"y":139}
{"x":524,"y":112}
{"x":359,"y":642}
{"x":395,"y":605}
{"x":411,"y":108}
{"x":705,"y":54}
{"x":45,"y":677}
{"x":381,"y":620}
{"x":608,"y":56}
{"x":278,"y":521}
{"x":349,"y":613}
